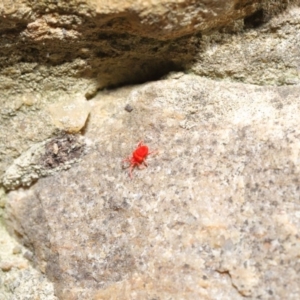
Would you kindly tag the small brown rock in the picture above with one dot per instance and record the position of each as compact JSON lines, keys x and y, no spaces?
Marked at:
{"x":6,"y":266}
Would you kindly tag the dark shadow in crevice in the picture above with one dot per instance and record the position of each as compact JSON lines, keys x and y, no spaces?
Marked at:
{"x":255,"y":20}
{"x":149,"y":71}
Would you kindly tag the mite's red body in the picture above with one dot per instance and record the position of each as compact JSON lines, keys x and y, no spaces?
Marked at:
{"x":138,"y":157}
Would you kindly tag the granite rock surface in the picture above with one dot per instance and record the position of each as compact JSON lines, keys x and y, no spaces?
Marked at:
{"x":215,"y":215}
{"x":216,"y":212}
{"x":18,"y":279}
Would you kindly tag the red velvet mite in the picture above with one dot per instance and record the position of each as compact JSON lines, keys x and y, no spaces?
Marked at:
{"x":138,"y":157}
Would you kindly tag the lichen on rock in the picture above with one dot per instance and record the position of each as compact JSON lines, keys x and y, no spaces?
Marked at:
{"x":44,"y":159}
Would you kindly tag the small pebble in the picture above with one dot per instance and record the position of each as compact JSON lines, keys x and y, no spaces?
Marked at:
{"x":6,"y":266}
{"x":128,"y":108}
{"x":17,"y":250}
{"x":28,"y":255}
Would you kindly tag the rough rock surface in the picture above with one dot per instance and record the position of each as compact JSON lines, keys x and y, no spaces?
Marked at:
{"x":43,"y":159}
{"x":217,"y":211}
{"x":18,"y":279}
{"x":268,"y":55}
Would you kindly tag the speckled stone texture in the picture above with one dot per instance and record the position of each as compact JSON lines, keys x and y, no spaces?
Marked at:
{"x":216,"y":215}
{"x":18,"y":279}
{"x":267,"y":55}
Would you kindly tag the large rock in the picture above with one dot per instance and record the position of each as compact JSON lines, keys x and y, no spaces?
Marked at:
{"x":157,"y":19}
{"x":215,"y":214}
